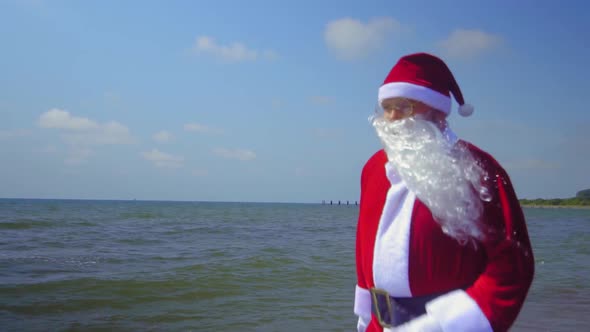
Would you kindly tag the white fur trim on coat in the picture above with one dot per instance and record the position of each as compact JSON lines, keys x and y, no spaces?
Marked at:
{"x":362,"y":302}
{"x":392,"y":242}
{"x":457,"y":311}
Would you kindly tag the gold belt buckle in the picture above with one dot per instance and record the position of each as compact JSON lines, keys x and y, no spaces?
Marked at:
{"x":375,"y":292}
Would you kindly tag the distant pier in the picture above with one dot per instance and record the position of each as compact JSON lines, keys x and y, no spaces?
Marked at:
{"x":332,"y":202}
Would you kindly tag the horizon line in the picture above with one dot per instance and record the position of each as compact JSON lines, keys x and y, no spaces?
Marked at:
{"x":321,"y":202}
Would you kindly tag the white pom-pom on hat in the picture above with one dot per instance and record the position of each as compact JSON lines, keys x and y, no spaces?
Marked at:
{"x":466,"y":110}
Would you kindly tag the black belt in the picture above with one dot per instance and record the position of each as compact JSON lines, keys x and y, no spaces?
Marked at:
{"x":394,"y":311}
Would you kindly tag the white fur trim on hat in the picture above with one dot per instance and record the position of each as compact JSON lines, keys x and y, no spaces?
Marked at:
{"x":417,"y":92}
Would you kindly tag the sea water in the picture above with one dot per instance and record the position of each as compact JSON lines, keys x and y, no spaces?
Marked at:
{"x":77,"y":265}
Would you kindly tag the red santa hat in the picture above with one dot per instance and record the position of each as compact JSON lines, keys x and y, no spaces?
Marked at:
{"x":425,"y":78}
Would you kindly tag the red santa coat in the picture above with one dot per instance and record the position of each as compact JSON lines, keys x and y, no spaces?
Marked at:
{"x":402,"y":249}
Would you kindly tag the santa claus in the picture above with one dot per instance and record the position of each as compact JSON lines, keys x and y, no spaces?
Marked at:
{"x":442,"y":243}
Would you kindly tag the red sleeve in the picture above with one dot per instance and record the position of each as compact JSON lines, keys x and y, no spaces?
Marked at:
{"x":374,"y":187}
{"x":501,"y":289}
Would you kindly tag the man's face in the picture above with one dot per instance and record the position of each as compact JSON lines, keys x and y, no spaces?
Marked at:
{"x":400,"y":108}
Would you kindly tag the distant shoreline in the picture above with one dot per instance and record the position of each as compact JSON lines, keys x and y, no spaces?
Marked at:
{"x":540,"y":206}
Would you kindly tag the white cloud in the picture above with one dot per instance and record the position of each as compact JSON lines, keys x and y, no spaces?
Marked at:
{"x":352,"y":39}
{"x":234,"y":52}
{"x":60,"y":119}
{"x":162,"y":136}
{"x":202,"y":129}
{"x":239,"y":154}
{"x":164,"y":160}
{"x":82,"y":133}
{"x":463,"y":43}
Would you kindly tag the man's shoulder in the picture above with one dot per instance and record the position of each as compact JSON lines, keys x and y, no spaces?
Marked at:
{"x":373,"y":173}
{"x":378,"y":159}
{"x":375,"y":164}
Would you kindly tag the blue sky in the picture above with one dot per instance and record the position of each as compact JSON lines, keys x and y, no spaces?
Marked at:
{"x":268,"y":101}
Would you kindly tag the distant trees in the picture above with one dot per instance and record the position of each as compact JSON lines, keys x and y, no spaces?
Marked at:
{"x":582,"y":199}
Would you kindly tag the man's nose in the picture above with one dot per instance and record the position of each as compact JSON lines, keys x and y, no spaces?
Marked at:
{"x":388,"y":115}
{"x":392,"y":115}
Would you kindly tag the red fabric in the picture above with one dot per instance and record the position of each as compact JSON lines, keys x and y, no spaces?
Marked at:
{"x":425,"y":70}
{"x":496,"y":274}
{"x":437,"y":262}
{"x":374,"y":187}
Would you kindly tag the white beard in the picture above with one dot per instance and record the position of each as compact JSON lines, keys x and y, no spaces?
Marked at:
{"x":444,"y":176}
